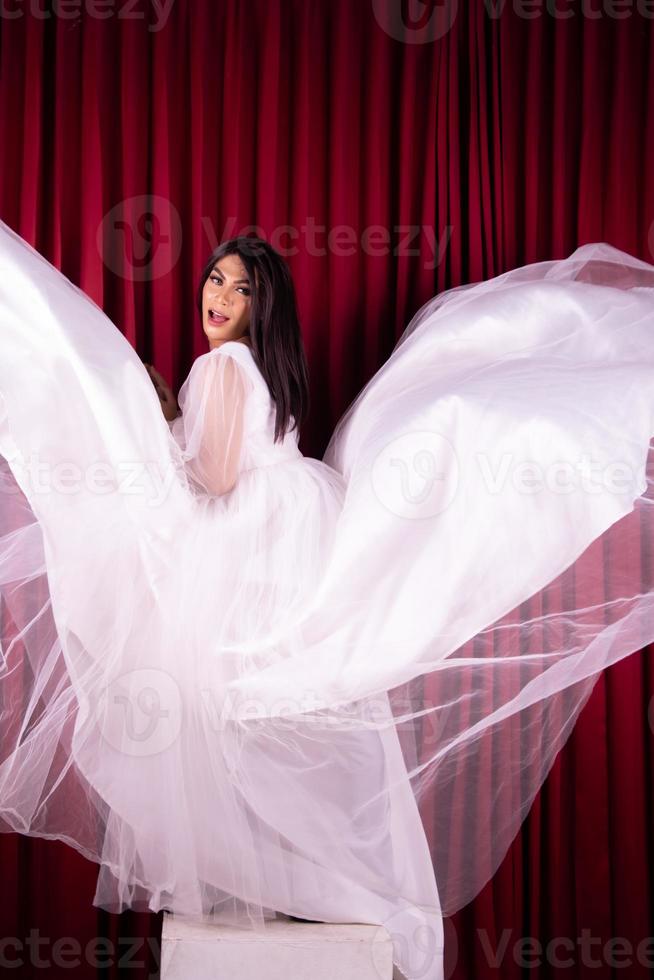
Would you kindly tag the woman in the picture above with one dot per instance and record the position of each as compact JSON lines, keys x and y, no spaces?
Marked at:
{"x":232,"y":672}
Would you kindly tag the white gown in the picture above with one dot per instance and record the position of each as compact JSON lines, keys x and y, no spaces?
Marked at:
{"x":245,"y":682}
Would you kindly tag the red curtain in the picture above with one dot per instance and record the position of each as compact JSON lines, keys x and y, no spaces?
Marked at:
{"x":390,"y":149}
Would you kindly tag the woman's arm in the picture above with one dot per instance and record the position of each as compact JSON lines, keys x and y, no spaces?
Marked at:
{"x":216,"y":463}
{"x":167,"y":398}
{"x":210,"y":427}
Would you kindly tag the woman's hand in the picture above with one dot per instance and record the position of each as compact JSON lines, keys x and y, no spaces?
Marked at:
{"x":168,"y":401}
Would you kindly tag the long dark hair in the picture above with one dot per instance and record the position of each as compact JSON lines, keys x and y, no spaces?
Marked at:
{"x":275,"y":337}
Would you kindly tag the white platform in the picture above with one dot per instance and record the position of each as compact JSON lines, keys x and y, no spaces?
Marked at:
{"x":282,"y":950}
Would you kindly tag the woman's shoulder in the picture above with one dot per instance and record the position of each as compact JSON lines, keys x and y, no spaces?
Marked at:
{"x":236,"y":348}
{"x":233,"y":348}
{"x":241,"y":352}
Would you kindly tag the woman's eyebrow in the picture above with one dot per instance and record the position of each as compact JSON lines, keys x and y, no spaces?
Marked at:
{"x":216,"y":269}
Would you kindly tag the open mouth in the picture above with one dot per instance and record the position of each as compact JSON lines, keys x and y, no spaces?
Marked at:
{"x":217,"y":317}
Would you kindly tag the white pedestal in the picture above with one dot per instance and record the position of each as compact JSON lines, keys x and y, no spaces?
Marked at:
{"x":281,"y":950}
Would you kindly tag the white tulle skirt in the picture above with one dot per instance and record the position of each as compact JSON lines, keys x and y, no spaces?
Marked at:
{"x":335,"y":691}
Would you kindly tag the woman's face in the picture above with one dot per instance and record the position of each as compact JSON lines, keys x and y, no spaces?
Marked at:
{"x":226,"y":302}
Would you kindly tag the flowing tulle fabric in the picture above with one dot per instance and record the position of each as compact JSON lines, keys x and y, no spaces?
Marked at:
{"x":243,"y":681}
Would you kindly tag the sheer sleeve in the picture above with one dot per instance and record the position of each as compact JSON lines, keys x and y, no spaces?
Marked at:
{"x":209,"y":430}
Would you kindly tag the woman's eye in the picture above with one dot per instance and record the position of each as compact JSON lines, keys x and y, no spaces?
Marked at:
{"x":217,"y":279}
